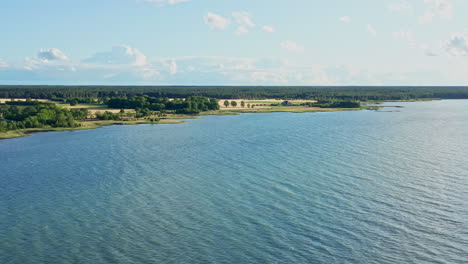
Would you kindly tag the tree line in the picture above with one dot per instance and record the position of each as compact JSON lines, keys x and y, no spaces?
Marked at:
{"x":98,"y":94}
{"x":190,"y":105}
{"x":38,"y":115}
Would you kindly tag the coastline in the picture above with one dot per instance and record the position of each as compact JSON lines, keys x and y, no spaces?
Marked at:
{"x":84,"y":126}
{"x":176,"y":119}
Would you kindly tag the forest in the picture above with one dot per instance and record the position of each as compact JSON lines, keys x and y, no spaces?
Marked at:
{"x":38,"y":115}
{"x":191,"y":105}
{"x":16,"y":115}
{"x":87,"y":94}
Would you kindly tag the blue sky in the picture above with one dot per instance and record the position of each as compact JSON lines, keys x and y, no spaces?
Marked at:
{"x":244,"y":42}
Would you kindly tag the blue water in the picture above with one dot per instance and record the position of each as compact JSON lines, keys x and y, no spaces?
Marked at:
{"x":343,"y":187}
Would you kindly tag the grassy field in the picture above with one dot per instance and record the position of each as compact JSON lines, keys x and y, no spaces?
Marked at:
{"x":262,"y":103}
{"x":3,"y":100}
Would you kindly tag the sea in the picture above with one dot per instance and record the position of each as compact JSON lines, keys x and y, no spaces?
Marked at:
{"x":369,"y":186}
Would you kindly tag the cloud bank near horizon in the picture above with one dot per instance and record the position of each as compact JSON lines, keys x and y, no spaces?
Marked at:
{"x":126,"y":65}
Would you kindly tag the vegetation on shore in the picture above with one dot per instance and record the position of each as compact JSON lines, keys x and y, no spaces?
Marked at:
{"x":190,"y":105}
{"x":20,"y":118}
{"x":83,"y":107}
{"x":23,"y":117}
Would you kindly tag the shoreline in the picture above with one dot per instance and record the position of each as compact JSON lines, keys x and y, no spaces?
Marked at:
{"x":87,"y":125}
{"x":177,"y":119}
{"x":171,"y":120}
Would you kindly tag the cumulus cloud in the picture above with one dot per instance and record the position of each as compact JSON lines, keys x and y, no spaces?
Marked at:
{"x":440,"y":8}
{"x":119,"y":55}
{"x":345,"y":19}
{"x":51,"y":55}
{"x":457,"y":45}
{"x":170,"y":2}
{"x":126,"y":65}
{"x":211,"y":64}
{"x":244,"y":22}
{"x":399,"y":6}
{"x":444,"y":8}
{"x":292,"y":46}
{"x":268,"y":29}
{"x":183,"y":70}
{"x":245,"y":71}
{"x":215,"y":21}
{"x":243,"y":19}
{"x":172,"y":66}
{"x":371,"y":30}
{"x":214,"y":71}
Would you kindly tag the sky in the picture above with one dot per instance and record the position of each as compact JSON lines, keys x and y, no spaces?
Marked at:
{"x":242,"y":42}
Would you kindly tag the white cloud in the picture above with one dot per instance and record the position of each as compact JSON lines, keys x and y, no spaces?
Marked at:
{"x":222,"y":71}
{"x":406,"y":36}
{"x":166,"y":66}
{"x":457,"y":45}
{"x":173,"y":2}
{"x":268,"y":29}
{"x":399,"y":6}
{"x":440,"y":8}
{"x":119,"y":55}
{"x":345,"y":19}
{"x":170,"y":2}
{"x":292,"y":46}
{"x":243,"y":19}
{"x":51,"y":55}
{"x":371,"y":29}
{"x":443,"y":8}
{"x":173,"y":67}
{"x":126,"y":65}
{"x":215,"y":21}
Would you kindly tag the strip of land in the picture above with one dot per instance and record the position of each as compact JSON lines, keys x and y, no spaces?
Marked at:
{"x":96,"y":115}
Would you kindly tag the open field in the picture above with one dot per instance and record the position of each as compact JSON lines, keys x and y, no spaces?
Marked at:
{"x":3,"y":100}
{"x":273,"y":109}
{"x":93,"y":108}
{"x":261,"y":103}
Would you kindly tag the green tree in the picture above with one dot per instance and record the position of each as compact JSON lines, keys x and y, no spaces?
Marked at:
{"x":73,"y":102}
{"x":226,"y":103}
{"x":3,"y":126}
{"x":233,"y":103}
{"x":242,"y":104}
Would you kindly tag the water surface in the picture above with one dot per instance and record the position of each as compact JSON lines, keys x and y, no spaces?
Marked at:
{"x":343,"y":187}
